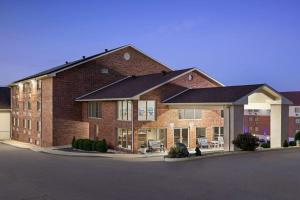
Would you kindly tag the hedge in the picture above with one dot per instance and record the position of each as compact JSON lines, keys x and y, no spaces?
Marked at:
{"x":90,"y":145}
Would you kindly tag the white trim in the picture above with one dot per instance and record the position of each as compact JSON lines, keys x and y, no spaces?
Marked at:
{"x":111,"y":99}
{"x":161,"y":84}
{"x":88,"y":60}
{"x":200,"y":104}
{"x":175,"y":95}
{"x":120,"y":80}
{"x":205,"y":74}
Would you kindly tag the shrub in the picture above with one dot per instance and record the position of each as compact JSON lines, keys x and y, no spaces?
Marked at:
{"x":297,"y":136}
{"x":178,"y":151}
{"x":292,"y":143}
{"x":73,"y":142}
{"x":285,"y":143}
{"x":265,"y":145}
{"x":87,"y":145}
{"x":80,"y":144}
{"x":246,"y":142}
{"x":90,"y":145}
{"x":198,"y":152}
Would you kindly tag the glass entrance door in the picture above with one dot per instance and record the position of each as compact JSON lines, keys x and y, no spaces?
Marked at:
{"x":181,"y":135}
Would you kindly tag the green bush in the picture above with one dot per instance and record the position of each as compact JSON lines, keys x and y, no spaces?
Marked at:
{"x":90,"y":145}
{"x":174,"y":151}
{"x":265,"y":145}
{"x":297,"y":136}
{"x":292,"y":143}
{"x":246,"y":142}
{"x":198,"y":152}
{"x":285,"y":143}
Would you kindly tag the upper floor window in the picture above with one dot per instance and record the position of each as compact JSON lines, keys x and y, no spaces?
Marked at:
{"x":39,"y":106}
{"x":297,"y":110}
{"x":94,"y":110}
{"x":124,"y":110}
{"x":222,"y":113}
{"x":189,"y":114}
{"x":146,"y":110}
{"x":27,"y":87}
{"x":27,"y":105}
{"x":297,"y":121}
{"x":39,"y":126}
{"x":39,"y":84}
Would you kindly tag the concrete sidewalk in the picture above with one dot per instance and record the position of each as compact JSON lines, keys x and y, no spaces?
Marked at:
{"x":57,"y":151}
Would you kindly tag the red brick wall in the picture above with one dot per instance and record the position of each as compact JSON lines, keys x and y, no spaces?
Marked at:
{"x":108,"y":124}
{"x":264,"y":125}
{"x":72,"y":83}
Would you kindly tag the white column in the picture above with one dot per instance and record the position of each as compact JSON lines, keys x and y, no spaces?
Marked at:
{"x":279,"y":125}
{"x":233,"y":125}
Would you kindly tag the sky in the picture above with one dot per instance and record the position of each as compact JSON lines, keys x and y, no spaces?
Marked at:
{"x":236,"y":42}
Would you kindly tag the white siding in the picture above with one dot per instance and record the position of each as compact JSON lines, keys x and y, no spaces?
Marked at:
{"x":4,"y":125}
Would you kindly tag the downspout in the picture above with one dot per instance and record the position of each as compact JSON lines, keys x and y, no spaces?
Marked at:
{"x":132,"y":128}
{"x":41,"y":114}
{"x":229,"y":121}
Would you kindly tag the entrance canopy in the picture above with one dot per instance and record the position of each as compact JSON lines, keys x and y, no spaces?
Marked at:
{"x":233,"y":100}
{"x":230,"y":95}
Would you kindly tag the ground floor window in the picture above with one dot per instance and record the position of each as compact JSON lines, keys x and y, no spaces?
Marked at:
{"x":218,"y":132}
{"x":181,"y":135}
{"x":154,"y":134}
{"x":124,"y":138}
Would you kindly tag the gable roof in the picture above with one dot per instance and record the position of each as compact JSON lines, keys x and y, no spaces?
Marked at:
{"x":293,"y":96}
{"x":227,"y":94}
{"x":4,"y":98}
{"x":57,"y":69}
{"x":133,"y":86}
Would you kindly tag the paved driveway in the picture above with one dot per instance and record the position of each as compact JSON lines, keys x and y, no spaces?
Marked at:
{"x":25,"y":174}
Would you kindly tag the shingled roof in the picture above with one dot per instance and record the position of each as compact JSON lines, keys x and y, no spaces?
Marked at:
{"x":69,"y":64}
{"x":4,"y":98}
{"x":227,"y":94}
{"x":293,"y":96}
{"x":132,"y":86}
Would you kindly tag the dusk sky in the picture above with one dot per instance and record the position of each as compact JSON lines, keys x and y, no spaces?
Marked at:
{"x":236,"y":42}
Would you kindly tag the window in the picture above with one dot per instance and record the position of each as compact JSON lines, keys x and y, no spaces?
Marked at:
{"x":148,"y":134}
{"x":94,"y":110}
{"x":218,"y":132}
{"x":39,"y":126}
{"x":27,"y":105}
{"x":189,"y":114}
{"x":24,"y":123}
{"x":29,"y":124}
{"x":39,"y":84}
{"x":222,"y":113}
{"x":39,"y":106}
{"x":190,"y":77}
{"x":27,"y":87}
{"x":256,"y":119}
{"x":104,"y":71}
{"x":200,"y":132}
{"x":146,"y":110}
{"x":18,"y":122}
{"x":14,"y":121}
{"x":124,"y":138}
{"x":250,"y":129}
{"x":124,"y":110}
{"x":297,"y":121}
{"x":256,"y":129}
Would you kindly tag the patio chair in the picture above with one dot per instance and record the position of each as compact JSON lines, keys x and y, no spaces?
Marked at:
{"x":154,"y":145}
{"x":203,"y":142}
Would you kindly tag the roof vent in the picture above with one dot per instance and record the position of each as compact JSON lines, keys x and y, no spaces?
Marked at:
{"x":164,"y":72}
{"x":67,"y":62}
{"x":83,"y":57}
{"x":106,"y":50}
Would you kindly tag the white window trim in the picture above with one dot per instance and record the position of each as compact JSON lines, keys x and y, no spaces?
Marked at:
{"x":129,"y":114}
{"x":194,"y":114}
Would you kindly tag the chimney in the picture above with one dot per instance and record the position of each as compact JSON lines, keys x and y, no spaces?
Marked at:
{"x":83,"y":57}
{"x":67,"y":62}
{"x":106,"y":50}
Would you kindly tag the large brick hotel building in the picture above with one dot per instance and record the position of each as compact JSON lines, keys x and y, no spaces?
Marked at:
{"x":129,"y":98}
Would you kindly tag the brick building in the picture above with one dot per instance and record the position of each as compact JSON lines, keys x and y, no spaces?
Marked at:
{"x":128,"y":98}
